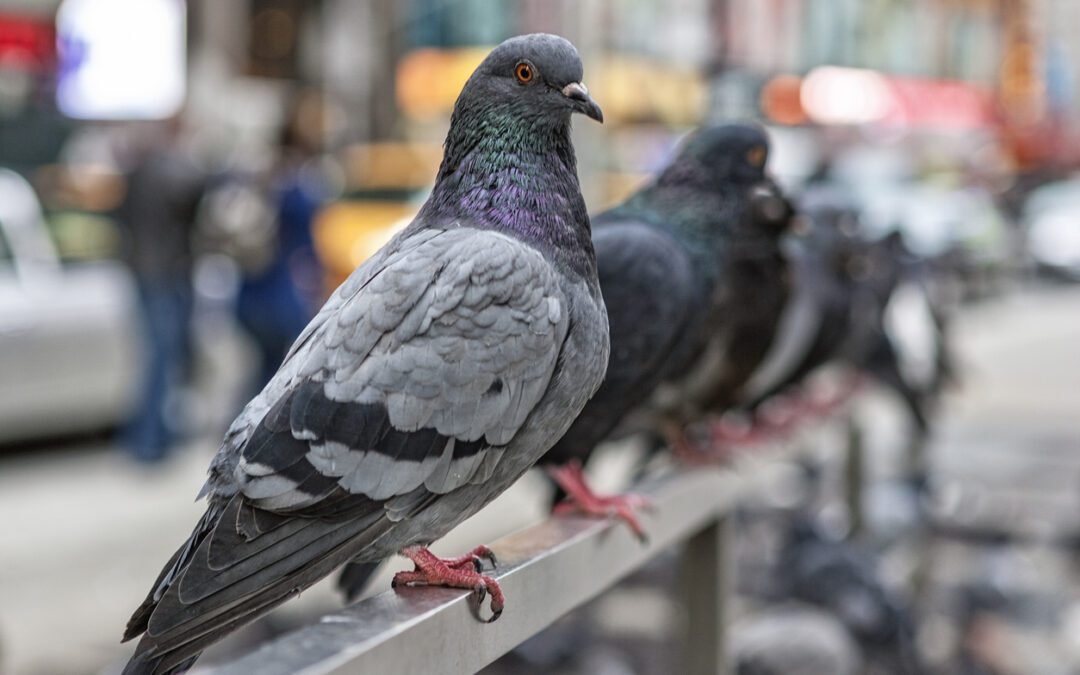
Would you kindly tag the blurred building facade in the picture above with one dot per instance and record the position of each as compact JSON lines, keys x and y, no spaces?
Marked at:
{"x":391,"y":70}
{"x":242,"y":55}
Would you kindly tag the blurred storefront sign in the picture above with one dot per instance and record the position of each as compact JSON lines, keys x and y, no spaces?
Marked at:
{"x":633,"y":88}
{"x":383,"y":183}
{"x":349,"y":231}
{"x":853,"y":96}
{"x":121,"y":59}
{"x":27,"y":42}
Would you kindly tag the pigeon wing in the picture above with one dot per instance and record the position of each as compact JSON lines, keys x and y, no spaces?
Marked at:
{"x":420,"y":380}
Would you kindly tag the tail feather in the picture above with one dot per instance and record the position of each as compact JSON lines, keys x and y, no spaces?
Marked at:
{"x":194,"y":603}
{"x":145,"y":664}
{"x":173,"y":568}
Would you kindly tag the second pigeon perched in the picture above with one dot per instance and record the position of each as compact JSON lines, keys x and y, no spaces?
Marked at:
{"x":662,"y":258}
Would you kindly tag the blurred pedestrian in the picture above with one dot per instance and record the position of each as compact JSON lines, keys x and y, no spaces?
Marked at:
{"x":157,"y":217}
{"x":279,"y":295}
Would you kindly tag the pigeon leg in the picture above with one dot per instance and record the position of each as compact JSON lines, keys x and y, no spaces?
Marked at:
{"x":828,"y":402}
{"x":460,"y":572}
{"x":694,"y":452}
{"x":581,"y":499}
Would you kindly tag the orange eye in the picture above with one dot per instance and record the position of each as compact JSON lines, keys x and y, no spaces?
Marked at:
{"x":523,"y":72}
{"x":756,"y":156}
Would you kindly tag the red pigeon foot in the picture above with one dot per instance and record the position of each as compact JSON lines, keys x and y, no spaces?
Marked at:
{"x":582,"y":500}
{"x":460,"y":572}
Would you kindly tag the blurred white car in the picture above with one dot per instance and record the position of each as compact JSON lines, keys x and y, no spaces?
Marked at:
{"x":69,"y":337}
{"x":1052,"y":219}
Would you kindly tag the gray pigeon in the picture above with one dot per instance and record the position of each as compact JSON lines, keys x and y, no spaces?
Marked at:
{"x":435,"y":376}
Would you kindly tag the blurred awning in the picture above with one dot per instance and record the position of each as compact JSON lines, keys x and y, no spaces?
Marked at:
{"x":852,"y":96}
{"x":940,"y":104}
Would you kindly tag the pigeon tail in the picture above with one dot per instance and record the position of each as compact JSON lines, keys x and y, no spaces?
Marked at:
{"x":203,"y":594}
{"x":146,"y":664}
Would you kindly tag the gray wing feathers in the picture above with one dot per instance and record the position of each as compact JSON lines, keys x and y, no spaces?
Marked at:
{"x":459,"y":334}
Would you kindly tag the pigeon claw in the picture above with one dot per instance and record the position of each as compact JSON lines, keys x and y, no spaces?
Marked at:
{"x":498,"y":602}
{"x":475,"y":558}
{"x":460,"y":572}
{"x":582,"y":500}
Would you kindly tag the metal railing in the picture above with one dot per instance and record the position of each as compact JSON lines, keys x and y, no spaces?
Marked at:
{"x":546,"y":571}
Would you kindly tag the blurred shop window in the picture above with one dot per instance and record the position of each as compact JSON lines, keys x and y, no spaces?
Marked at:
{"x":121,"y":59}
{"x":437,"y":23}
{"x":274,"y":46}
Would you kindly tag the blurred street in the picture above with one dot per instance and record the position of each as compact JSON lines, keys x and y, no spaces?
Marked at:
{"x":86,"y":527}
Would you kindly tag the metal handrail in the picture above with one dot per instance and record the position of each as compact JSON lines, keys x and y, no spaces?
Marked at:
{"x":546,"y":571}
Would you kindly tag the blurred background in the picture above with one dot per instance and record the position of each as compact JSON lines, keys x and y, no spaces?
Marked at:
{"x":182,"y":183}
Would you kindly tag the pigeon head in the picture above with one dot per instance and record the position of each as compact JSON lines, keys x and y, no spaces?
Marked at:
{"x":723,"y":155}
{"x":508,"y":162}
{"x":536,"y":78}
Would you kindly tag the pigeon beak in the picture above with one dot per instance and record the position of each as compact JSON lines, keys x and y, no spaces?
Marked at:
{"x":583,"y":103}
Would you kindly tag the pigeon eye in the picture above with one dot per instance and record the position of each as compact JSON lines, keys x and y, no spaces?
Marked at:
{"x":756,"y":156}
{"x":523,"y":72}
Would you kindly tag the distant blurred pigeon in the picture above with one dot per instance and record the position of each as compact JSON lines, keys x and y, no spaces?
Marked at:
{"x":793,"y":640}
{"x":855,"y":302}
{"x":756,"y":289}
{"x":443,"y":368}
{"x":665,"y":259}
{"x":841,"y":578}
{"x":915,"y":327}
{"x":818,"y":318}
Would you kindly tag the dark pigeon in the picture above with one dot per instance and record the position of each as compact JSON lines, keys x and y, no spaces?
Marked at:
{"x":820,"y":313}
{"x":438,"y":373}
{"x":842,"y":578}
{"x":666,"y":260}
{"x":757,"y":288}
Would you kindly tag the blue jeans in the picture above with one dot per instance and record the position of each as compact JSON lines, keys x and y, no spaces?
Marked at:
{"x":166,"y":310}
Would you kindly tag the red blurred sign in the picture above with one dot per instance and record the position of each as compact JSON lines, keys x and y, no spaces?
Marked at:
{"x":27,"y":42}
{"x":939,"y":104}
{"x":838,"y":95}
